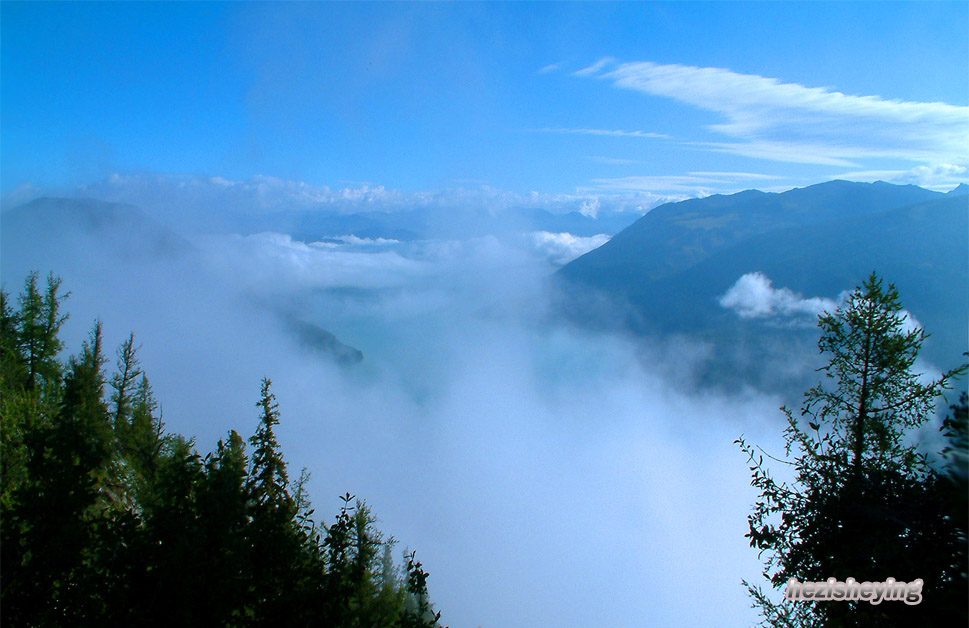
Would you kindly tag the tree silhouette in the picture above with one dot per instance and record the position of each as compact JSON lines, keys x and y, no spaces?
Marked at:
{"x":864,"y":502}
{"x":108,"y":520}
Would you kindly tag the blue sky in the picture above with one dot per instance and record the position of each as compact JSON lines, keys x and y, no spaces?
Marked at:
{"x":681,"y":98}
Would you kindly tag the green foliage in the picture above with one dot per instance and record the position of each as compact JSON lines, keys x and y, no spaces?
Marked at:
{"x":864,"y":502}
{"x":109,"y":520}
{"x":420,"y":612}
{"x":956,"y":429}
{"x":956,"y":484}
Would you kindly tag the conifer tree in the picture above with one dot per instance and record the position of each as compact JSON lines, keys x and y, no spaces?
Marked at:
{"x":59,"y":505}
{"x":30,"y":376}
{"x":110,"y":521}
{"x":224,"y":508}
{"x":270,"y":481}
{"x":12,"y":359}
{"x":275,"y":538}
{"x":338,"y":545}
{"x":420,"y":613}
{"x":12,"y":411}
{"x":143,"y":441}
{"x":40,"y":322}
{"x":177,"y":555}
{"x":865,"y":502}
{"x":123,"y":381}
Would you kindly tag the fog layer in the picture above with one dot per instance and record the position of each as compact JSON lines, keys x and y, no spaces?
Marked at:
{"x":547,"y":476}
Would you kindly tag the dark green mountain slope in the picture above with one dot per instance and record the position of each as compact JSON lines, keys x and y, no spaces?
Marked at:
{"x":676,"y":236}
{"x":922,"y":247}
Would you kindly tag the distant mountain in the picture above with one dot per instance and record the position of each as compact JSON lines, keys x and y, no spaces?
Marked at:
{"x":676,"y":236}
{"x":435,"y":223}
{"x":317,"y":340}
{"x":124,"y":227}
{"x":59,"y":234}
{"x":668,"y":269}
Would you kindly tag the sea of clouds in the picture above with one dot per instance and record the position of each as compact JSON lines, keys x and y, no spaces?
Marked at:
{"x":547,"y":475}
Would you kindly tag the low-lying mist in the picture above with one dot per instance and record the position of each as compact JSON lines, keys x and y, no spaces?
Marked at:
{"x":546,"y":475}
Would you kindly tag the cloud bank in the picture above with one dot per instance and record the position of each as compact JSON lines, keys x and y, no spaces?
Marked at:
{"x":528,"y":462}
{"x":938,"y":177}
{"x":215,"y":203}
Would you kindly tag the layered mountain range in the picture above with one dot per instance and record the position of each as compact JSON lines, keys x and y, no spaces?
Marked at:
{"x":667,"y":274}
{"x":61,"y":234}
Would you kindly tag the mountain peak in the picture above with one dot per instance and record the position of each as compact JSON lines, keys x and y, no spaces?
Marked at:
{"x":960,"y":190}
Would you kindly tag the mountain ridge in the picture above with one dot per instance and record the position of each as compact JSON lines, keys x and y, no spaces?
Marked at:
{"x":670,"y":238}
{"x":918,"y":246}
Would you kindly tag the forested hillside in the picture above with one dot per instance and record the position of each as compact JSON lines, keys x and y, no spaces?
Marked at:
{"x":109,"y":520}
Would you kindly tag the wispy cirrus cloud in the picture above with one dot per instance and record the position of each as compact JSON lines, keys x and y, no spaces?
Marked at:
{"x":606,"y":132}
{"x":595,"y":67}
{"x":690,"y":184}
{"x":723,"y":176}
{"x":615,"y":161}
{"x":788,"y":122}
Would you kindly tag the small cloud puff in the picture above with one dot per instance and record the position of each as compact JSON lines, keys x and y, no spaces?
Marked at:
{"x":590,"y":207}
{"x":754,"y":296}
{"x":562,"y":248}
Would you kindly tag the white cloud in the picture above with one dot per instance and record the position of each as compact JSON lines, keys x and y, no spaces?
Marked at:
{"x":590,"y":208}
{"x":215,"y":201}
{"x":274,"y":263}
{"x":606,"y":132}
{"x":790,"y":122}
{"x":352,"y":239}
{"x":736,"y":175}
{"x":754,"y":296}
{"x":939,"y":177}
{"x":594,"y":68}
{"x":688,"y":185}
{"x":562,"y":248}
{"x":790,"y":152}
{"x":615,"y":161}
